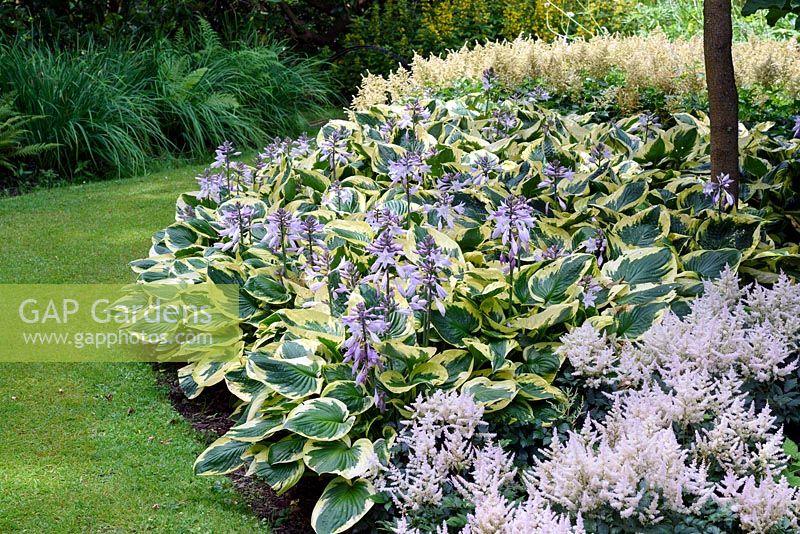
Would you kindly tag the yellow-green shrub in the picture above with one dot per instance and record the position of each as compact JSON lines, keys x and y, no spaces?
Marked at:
{"x":406,"y":27}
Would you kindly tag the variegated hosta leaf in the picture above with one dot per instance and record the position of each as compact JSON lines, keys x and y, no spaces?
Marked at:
{"x":281,"y":477}
{"x":286,"y":450}
{"x":494,"y":395}
{"x":460,"y":320}
{"x":548,"y":316}
{"x":430,"y":374}
{"x":635,"y":321}
{"x":321,"y":419}
{"x":494,"y":352}
{"x":342,"y":504}
{"x":338,"y":457}
{"x":535,"y":387}
{"x":549,"y":285}
{"x":740,"y":233}
{"x":458,"y":364}
{"x":643,"y":229}
{"x":267,"y":289}
{"x":221,"y":457}
{"x":312,"y":324}
{"x":708,"y":264}
{"x":354,"y":396}
{"x":650,"y":265}
{"x":295,"y":378}
{"x":257,"y":429}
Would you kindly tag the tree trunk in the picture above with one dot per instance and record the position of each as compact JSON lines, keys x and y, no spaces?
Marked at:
{"x":723,"y":98}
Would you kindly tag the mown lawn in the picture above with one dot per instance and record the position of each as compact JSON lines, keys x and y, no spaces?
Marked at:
{"x":97,"y":447}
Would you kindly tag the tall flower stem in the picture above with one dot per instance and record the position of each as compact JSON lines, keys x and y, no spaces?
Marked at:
{"x":511,"y":286}
{"x":427,"y":330}
{"x":408,"y":204}
{"x":283,"y":251}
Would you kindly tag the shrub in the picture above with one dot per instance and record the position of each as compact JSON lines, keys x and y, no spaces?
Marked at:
{"x":435,"y":26}
{"x":680,"y":19}
{"x":448,"y":244}
{"x":621,"y":74}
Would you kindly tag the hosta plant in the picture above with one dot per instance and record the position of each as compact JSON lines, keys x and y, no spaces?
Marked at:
{"x":446,"y":245}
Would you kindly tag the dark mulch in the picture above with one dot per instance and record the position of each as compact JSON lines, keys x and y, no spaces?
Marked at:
{"x":209,"y":414}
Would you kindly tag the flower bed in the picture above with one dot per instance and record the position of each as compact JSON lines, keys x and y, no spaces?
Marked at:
{"x":612,"y":75}
{"x":449,"y":245}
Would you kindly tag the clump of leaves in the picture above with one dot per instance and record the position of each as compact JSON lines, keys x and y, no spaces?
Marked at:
{"x":447,"y":244}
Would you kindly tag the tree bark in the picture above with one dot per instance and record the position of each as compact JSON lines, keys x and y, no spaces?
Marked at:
{"x":723,"y":98}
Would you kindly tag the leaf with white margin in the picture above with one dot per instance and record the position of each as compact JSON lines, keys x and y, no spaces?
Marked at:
{"x":322,"y":419}
{"x":343,"y":503}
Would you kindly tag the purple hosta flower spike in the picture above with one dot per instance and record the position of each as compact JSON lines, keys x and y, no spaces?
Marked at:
{"x":275,"y":152}
{"x":281,"y":234}
{"x":599,"y":153}
{"x":223,"y":155}
{"x":483,"y":168}
{"x":334,"y":147}
{"x":386,"y":129}
{"x":445,"y":210}
{"x":337,"y":197}
{"x":349,"y":278}
{"x":300,"y":147}
{"x":241,"y":176}
{"x":384,"y":219}
{"x":513,"y":221}
{"x":538,"y":94}
{"x":364,"y":327}
{"x":413,"y":113}
{"x":552,"y":252}
{"x":647,"y":123}
{"x":424,"y":281}
{"x":386,"y":250}
{"x":501,"y":124}
{"x":185,"y":213}
{"x":452,"y":182}
{"x":408,"y":171}
{"x":796,"y":129}
{"x":719,"y":189}
{"x":597,"y":244}
{"x":236,"y":221}
{"x":554,"y":172}
{"x":589,"y":290}
{"x":309,"y":235}
{"x":211,"y":186}
{"x":489,"y":79}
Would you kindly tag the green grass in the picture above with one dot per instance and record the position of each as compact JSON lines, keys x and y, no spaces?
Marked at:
{"x":97,"y":447}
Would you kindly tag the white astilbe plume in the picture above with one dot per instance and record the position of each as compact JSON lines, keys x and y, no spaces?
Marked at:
{"x":681,"y":416}
{"x":623,"y":465}
{"x":762,"y":504}
{"x":438,"y":436}
{"x":446,"y":452}
{"x":589,"y":354}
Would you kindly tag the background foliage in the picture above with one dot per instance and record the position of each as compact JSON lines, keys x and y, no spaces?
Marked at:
{"x":111,"y":108}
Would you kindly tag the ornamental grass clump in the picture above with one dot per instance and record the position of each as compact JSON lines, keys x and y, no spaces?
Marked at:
{"x":411,"y":250}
